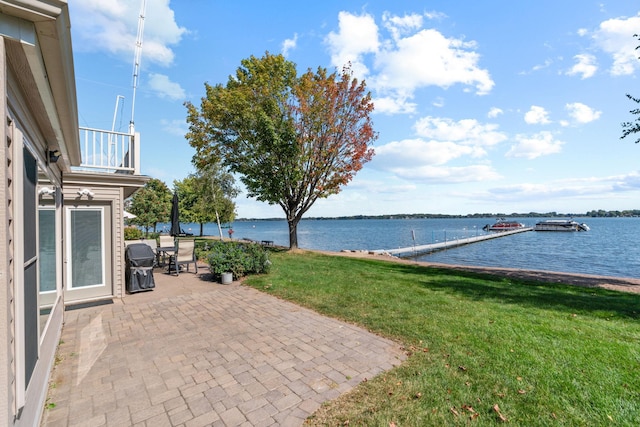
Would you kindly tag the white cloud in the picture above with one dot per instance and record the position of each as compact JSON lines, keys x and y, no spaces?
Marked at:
{"x":417,"y":152}
{"x":585,"y":66}
{"x":451,"y":61}
{"x":582,"y":113}
{"x":531,"y":147}
{"x":546,"y":64}
{"x":175,"y":127}
{"x":494,"y":112}
{"x":466,"y":131}
{"x":628,"y":182}
{"x":165,"y":88}
{"x":614,"y":36}
{"x":377,"y":186}
{"x":537,"y":116}
{"x":393,"y":105}
{"x":441,"y":141}
{"x":435,"y":15}
{"x":593,"y":187}
{"x":357,"y":36}
{"x":289,"y":44}
{"x":112,"y":26}
{"x":539,"y":192}
{"x":448,"y":175}
{"x":401,"y":25}
{"x":394,"y":66}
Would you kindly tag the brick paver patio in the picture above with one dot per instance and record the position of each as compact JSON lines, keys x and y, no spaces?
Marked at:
{"x":196,"y":353}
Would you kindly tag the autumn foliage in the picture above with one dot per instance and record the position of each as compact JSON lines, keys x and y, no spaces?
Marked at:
{"x":291,"y":139}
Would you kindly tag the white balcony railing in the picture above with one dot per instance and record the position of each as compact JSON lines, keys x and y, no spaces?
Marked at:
{"x":109,"y":152}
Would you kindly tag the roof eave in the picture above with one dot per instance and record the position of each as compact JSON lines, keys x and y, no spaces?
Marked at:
{"x":50,"y":58}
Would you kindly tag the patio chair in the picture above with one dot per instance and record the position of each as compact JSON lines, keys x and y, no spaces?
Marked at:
{"x":154,"y":247}
{"x":167,"y":242}
{"x":185,"y":255}
{"x":185,"y":233}
{"x":166,"y":248}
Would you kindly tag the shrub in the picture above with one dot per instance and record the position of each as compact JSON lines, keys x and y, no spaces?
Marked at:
{"x":202,"y":248}
{"x":132,"y":233}
{"x":238,"y":258}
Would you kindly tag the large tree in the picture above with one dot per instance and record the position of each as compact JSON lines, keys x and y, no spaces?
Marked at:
{"x":151,"y":204}
{"x":207,"y":196}
{"x":291,"y":139}
{"x":629,"y":128}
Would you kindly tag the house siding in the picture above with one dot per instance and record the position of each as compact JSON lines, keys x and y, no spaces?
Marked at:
{"x":39,"y":109}
{"x":25,"y":360}
{"x":6,"y":276}
{"x":29,"y":358}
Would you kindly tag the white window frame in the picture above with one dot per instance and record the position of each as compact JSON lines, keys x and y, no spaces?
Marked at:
{"x":19,"y":142}
{"x":69,"y":248}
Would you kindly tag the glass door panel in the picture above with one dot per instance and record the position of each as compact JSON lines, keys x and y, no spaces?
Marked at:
{"x":88,"y":259}
{"x":87,"y":251}
{"x":47,"y":261}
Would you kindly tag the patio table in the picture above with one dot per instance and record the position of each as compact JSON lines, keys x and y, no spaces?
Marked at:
{"x":164,"y":252}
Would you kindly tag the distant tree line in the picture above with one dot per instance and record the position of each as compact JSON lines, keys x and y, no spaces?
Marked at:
{"x":592,"y":214}
{"x":625,"y":213}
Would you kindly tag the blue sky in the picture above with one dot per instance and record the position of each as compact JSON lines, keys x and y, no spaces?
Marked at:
{"x":491,"y":106}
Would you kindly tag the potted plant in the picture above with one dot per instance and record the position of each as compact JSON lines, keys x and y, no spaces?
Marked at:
{"x":224,"y":263}
{"x":232,"y":260}
{"x":226,"y":278}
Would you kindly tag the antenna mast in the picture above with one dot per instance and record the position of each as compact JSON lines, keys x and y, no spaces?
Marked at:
{"x":136,"y":61}
{"x":115,"y":112}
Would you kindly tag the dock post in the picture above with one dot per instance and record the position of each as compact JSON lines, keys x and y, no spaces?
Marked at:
{"x":413,"y":236}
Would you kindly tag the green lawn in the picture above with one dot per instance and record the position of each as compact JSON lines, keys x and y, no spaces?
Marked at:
{"x":545,"y":354}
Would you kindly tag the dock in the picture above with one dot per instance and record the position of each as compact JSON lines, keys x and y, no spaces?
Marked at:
{"x":446,"y":244}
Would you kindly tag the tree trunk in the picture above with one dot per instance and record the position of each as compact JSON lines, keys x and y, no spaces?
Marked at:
{"x":293,"y":233}
{"x":213,"y":194}
{"x":201,"y":229}
{"x":219,"y":226}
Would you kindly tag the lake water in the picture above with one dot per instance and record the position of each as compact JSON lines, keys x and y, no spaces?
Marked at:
{"x":609,"y":248}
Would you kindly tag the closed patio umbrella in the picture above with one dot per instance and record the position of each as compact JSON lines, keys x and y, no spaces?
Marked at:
{"x":175,"y":216}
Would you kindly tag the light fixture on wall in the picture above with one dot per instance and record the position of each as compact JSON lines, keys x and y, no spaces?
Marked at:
{"x":86,"y":192}
{"x":46,"y":191}
{"x":54,"y":155}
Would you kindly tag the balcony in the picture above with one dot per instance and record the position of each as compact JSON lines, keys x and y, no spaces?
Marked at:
{"x":109,"y":152}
